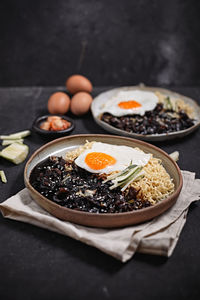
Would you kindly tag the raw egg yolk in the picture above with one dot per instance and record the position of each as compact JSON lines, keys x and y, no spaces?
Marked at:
{"x":99,"y":160}
{"x":129,"y":104}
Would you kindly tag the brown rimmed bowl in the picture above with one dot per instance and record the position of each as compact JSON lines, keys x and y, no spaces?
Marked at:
{"x":108,"y":220}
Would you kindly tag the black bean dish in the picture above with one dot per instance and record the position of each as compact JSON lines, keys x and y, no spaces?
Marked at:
{"x":103,"y":178}
{"x":146,"y":112}
{"x":68,"y":185}
{"x":157,"y":121}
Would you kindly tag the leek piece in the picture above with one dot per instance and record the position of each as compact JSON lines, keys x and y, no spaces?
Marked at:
{"x":125,"y":180}
{"x":174,"y":155}
{"x":15,"y":152}
{"x":123,"y":172}
{"x":3,"y":176}
{"x":16,"y":136}
{"x":168,"y":103}
{"x":134,"y":178}
{"x":8,"y":142}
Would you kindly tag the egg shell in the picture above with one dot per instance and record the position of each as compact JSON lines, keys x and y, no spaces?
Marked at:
{"x":58,"y":103}
{"x":78,"y":83}
{"x":80,"y":103}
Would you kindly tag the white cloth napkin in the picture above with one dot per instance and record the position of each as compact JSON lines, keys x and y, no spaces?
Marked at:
{"x":158,"y":236}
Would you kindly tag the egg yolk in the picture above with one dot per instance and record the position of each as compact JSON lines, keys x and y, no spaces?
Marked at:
{"x":99,"y":160}
{"x":129,"y":104}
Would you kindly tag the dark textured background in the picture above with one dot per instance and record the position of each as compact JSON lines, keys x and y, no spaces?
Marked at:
{"x":112,"y":42}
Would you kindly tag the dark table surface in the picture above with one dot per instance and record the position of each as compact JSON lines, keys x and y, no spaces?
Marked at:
{"x":40,"y":264}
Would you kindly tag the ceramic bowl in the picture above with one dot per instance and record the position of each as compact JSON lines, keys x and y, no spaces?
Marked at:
{"x":105,"y":96}
{"x":52,"y":134}
{"x":62,"y":145}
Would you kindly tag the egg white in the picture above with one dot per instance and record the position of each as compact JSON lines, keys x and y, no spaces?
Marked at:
{"x":124,"y":155}
{"x":148,"y":101}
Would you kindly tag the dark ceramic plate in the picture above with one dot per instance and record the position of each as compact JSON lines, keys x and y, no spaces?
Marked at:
{"x":52,"y":134}
{"x":102,"y":98}
{"x":61,"y":146}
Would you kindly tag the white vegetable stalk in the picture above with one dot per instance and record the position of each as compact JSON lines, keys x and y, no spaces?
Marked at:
{"x":174,"y":155}
{"x":15,"y":152}
{"x":8,"y":142}
{"x":3,"y":176}
{"x":15,"y":136}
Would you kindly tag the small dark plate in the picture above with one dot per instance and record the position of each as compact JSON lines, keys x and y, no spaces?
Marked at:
{"x":52,"y":134}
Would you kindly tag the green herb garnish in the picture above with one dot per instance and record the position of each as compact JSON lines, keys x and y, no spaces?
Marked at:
{"x":168,"y":104}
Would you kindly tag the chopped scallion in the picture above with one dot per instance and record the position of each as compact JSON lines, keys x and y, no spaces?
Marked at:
{"x":125,"y":177}
{"x":3,"y":176}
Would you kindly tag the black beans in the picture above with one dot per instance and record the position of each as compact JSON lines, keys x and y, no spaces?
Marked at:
{"x":80,"y":190}
{"x":156,"y":121}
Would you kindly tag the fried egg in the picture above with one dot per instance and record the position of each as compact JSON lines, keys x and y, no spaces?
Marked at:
{"x":107,"y":158}
{"x":130,"y":103}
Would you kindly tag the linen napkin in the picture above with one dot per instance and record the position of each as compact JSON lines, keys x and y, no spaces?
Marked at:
{"x":158,"y":236}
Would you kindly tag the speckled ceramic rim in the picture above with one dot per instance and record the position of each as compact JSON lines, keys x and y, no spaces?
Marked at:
{"x":108,"y":220}
{"x":149,"y":137}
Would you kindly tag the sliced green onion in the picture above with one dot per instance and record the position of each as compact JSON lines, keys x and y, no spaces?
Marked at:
{"x":15,"y":152}
{"x":123,"y":172}
{"x":3,"y":176}
{"x":137,"y":177}
{"x":174,"y":155}
{"x":168,"y":103}
{"x":130,"y":177}
{"x":8,"y":142}
{"x":125,"y":177}
{"x":15,"y":136}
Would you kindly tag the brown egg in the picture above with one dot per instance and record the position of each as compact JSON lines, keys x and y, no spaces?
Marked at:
{"x":58,"y":103}
{"x":80,"y":103}
{"x":78,"y":83}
